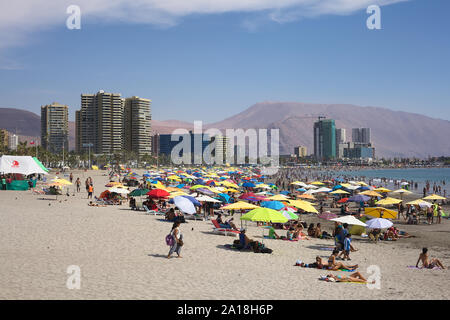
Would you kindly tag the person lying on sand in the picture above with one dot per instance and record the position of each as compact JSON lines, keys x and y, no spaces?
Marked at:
{"x":427,"y":262}
{"x":354,"y":277}
{"x":333,"y":265}
{"x":91,"y":204}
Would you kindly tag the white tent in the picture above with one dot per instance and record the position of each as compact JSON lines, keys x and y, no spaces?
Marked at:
{"x":20,"y":164}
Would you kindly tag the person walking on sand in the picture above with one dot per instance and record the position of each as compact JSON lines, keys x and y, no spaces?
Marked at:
{"x":71,"y":177}
{"x":178,"y":240}
{"x":78,"y":184}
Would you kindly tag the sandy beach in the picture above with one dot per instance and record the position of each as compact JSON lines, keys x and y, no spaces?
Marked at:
{"x":122,"y":255}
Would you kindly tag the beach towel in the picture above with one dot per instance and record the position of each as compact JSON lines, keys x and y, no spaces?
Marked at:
{"x":324,"y":268}
{"x":414,"y":267}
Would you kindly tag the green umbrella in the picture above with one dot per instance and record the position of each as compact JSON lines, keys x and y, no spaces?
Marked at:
{"x":138,"y":192}
{"x":289,"y":215}
{"x":264,"y":215}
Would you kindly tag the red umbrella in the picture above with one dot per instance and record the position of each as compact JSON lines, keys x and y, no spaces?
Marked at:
{"x":158,"y":193}
{"x":247,"y":195}
{"x":343,"y":200}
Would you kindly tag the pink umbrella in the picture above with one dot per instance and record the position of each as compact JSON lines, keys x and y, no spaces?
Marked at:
{"x":327,"y":215}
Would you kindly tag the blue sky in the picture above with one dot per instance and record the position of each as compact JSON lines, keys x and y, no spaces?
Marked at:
{"x":212,"y":66}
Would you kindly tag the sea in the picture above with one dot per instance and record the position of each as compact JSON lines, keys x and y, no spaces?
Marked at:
{"x":438,"y":176}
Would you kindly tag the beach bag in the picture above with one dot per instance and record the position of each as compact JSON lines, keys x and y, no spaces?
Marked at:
{"x":170,"y":240}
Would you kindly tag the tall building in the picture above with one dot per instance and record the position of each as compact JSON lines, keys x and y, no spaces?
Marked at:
{"x":166,"y":145}
{"x":222,"y":151}
{"x":340,"y":142}
{"x":137,"y":125}
{"x":300,"y":151}
{"x":361,"y":135}
{"x":324,"y":139}
{"x":55,"y":127}
{"x":99,"y":123}
{"x":4,"y":139}
{"x":13,"y":141}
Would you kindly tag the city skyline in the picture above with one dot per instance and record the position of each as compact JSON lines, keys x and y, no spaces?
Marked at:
{"x":246,"y":55}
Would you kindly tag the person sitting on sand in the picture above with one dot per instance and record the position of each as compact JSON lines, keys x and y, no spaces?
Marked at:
{"x":272,"y":233}
{"x":354,"y":277}
{"x":402,"y":234}
{"x":299,"y":234}
{"x":427,"y":262}
{"x":333,"y":265}
{"x":390,"y":235}
{"x":290,"y":234}
{"x":311,"y":230}
{"x":244,"y":241}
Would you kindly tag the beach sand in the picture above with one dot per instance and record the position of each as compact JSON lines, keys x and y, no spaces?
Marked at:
{"x":122,"y":255}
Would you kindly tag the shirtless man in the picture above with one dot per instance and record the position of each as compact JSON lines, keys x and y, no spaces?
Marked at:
{"x":427,"y":262}
{"x":333,"y":265}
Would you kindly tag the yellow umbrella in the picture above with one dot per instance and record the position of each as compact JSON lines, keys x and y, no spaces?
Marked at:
{"x":339,"y":191}
{"x":297,"y":183}
{"x":264,"y":215}
{"x":362,"y":183}
{"x":278,"y":197}
{"x":418,"y":202}
{"x":307,"y":196}
{"x":380,"y":212}
{"x":371,"y":193}
{"x":388,"y":201}
{"x":94,"y":168}
{"x":304,"y":205}
{"x":62,"y":181}
{"x":384,"y":190}
{"x":231,"y":190}
{"x":434,"y":197}
{"x":240,"y":205}
{"x":317,"y":183}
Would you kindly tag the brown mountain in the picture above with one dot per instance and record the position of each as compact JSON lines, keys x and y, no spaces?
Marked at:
{"x":394,"y":133}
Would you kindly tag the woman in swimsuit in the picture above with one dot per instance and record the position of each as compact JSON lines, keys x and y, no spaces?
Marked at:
{"x":354,"y":277}
{"x":333,"y":265}
{"x":428,"y":263}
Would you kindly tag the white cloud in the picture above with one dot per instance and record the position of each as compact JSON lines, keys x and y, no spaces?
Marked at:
{"x":22,"y":18}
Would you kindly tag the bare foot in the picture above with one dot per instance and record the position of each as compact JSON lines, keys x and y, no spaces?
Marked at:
{"x":179,"y":257}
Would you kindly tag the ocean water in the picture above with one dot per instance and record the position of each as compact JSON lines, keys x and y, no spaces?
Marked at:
{"x":416,"y":175}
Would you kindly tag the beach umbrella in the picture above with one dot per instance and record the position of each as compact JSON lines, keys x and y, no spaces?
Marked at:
{"x":224,"y":197}
{"x":379,"y":223}
{"x":240,"y":205}
{"x":205,"y":198}
{"x":327,"y":215}
{"x":158,"y":193}
{"x":185,"y":205}
{"x":434,"y":197}
{"x":307,"y":196}
{"x":278,"y":197}
{"x":62,"y":182}
{"x":248,"y":185}
{"x":264,"y":215}
{"x":343,"y":200}
{"x":303,"y":205}
{"x":285,"y":192}
{"x":359,"y":198}
{"x":349,"y":220}
{"x":275,"y":205}
{"x":301,"y":189}
{"x":401,"y":191}
{"x":420,"y":202}
{"x":118,"y":190}
{"x":371,"y":193}
{"x":288,"y":214}
{"x":388,"y":201}
{"x":404,"y":183}
{"x":380,"y":212}
{"x":339,"y":191}
{"x":318,"y":183}
{"x":383,"y":190}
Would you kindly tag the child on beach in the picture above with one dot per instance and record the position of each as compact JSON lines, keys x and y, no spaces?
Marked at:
{"x":347,"y":242}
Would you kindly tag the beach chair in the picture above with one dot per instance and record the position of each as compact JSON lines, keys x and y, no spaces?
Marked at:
{"x":227,"y":232}
{"x":148,"y":211}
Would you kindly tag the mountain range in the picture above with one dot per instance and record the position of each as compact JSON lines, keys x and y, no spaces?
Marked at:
{"x":393,"y":133}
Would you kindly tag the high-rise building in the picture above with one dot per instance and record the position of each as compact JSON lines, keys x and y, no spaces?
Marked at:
{"x":300,"y":151}
{"x":99,"y":123}
{"x":55,"y":127}
{"x":222,"y":151}
{"x":197,"y":142}
{"x":13,"y":141}
{"x":340,"y":142}
{"x":361,"y":135}
{"x":324,"y":139}
{"x":137,"y":125}
{"x":4,"y":139}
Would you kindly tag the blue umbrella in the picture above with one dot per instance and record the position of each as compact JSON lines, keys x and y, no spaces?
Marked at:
{"x":224,"y":197}
{"x":285,"y":192}
{"x":301,"y":189}
{"x":275,"y":205}
{"x":181,"y":185}
{"x":194,"y":201}
{"x":337,"y":187}
{"x":248,"y":185}
{"x":359,"y":198}
{"x":363,"y":188}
